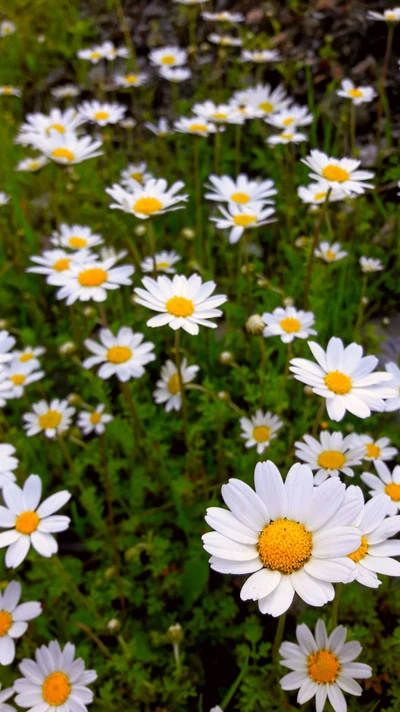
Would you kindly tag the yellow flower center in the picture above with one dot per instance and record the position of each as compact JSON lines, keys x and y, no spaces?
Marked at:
{"x":6,"y":622}
{"x":319,"y":196}
{"x":241,"y":198}
{"x":51,"y":419}
{"x":7,"y":90}
{"x":180,"y":306}
{"x":359,"y":553}
{"x":331,"y":460}
{"x":168,"y":59}
{"x":137,"y":176}
{"x":330,"y":255}
{"x":244,"y":220}
{"x":372,"y":450}
{"x":173,"y":384}
{"x":285,"y":546}
{"x":335,"y":173}
{"x":61,"y":265}
{"x":356,"y":93}
{"x":261,"y":433}
{"x":101,"y":115}
{"x":197,"y":127}
{"x":290,"y":325}
{"x":56,"y":689}
{"x":287,"y":136}
{"x":57,"y":127}
{"x":288,"y":121}
{"x":17,"y":379}
{"x":93,"y":277}
{"x":63,"y":153}
{"x":34,"y":165}
{"x":27,"y":522}
{"x":338,"y":382}
{"x":390,"y":16}
{"x":266,"y":106}
{"x":220,"y":115}
{"x":393,"y":491}
{"x":25,"y":357}
{"x":119,"y":354}
{"x":95,"y":55}
{"x":147,"y":206}
{"x":77,"y":242}
{"x":131,"y":78}
{"x":323,"y":667}
{"x":162,"y":265}
{"x":96,"y":417}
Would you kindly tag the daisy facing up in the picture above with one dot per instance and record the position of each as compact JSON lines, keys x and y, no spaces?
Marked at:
{"x":55,"y":261}
{"x":316,"y":193}
{"x":289,"y":323}
{"x":7,"y":28}
{"x":164,"y":261}
{"x":92,"y":54}
{"x":76,"y":237}
{"x":369,"y":264}
{"x":376,"y":449}
{"x":264,"y":98}
{"x":168,"y":389}
{"x":51,"y":418}
{"x":90,"y":279}
{"x":67,"y":149}
{"x":358,"y":95}
{"x":94,"y":421}
{"x":260,"y":429}
{"x":393,"y":404}
{"x":8,"y":463}
{"x":123,"y":355}
{"x":101,"y":113}
{"x":40,"y":125}
{"x":21,"y":375}
{"x":290,"y":118}
{"x":196,"y":126}
{"x":153,"y":198}
{"x":169,"y":56}
{"x":330,"y":252}
{"x":338,"y":172}
{"x":386,"y":483}
{"x":331,"y":455}
{"x":242,"y":217}
{"x":13,"y":620}
{"x":131,"y":80}
{"x":240,"y":190}
{"x":135,"y":172}
{"x":218,"y":113}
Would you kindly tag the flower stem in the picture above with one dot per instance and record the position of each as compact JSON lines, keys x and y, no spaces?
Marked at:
{"x":352,"y":129}
{"x":152,"y":246}
{"x":313,"y":246}
{"x":126,"y":392}
{"x":238,"y":141}
{"x":361,"y":307}
{"x":217,"y":150}
{"x":278,"y":635}
{"x":318,"y":417}
{"x":261,"y":341}
{"x":229,"y":695}
{"x":335,"y":606}
{"x":125,"y":30}
{"x":199,"y":236}
{"x":181,"y":384}
{"x":382,"y":88}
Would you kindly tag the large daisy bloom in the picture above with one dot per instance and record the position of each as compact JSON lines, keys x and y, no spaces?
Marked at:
{"x":242,"y":217}
{"x":6,"y":343}
{"x":31,"y":165}
{"x":345,"y":378}
{"x":393,"y":404}
{"x":264,"y":98}
{"x":218,"y":113}
{"x":260,"y":429}
{"x":21,"y":375}
{"x":286,"y":137}
{"x":101,"y":113}
{"x":38,"y":124}
{"x":260,"y":56}
{"x":316,"y":193}
{"x":67,"y":149}
{"x":168,"y":387}
{"x":323,"y":667}
{"x":76,"y":237}
{"x":13,"y":620}
{"x":224,"y":40}
{"x":391,"y":15}
{"x":329,"y":455}
{"x":90,"y":279}
{"x":56,"y":681}
{"x":5,"y":695}
{"x":183,"y":303}
{"x":376,"y":449}
{"x":52,"y":418}
{"x":56,"y":261}
{"x":292,"y":537}
{"x":290,"y":118}
{"x":169,"y":56}
{"x":358,"y":95}
{"x":95,"y":421}
{"x":387,"y":483}
{"x":369,"y":264}
{"x":29,"y":523}
{"x":240,"y":190}
{"x":131,"y":79}
{"x":135,"y":172}
{"x":330,"y":252}
{"x":289,"y":323}
{"x":223,"y":16}
{"x":8,"y":463}
{"x":338,"y":172}
{"x":194,"y":125}
{"x":153,"y":198}
{"x":164,"y":262}
{"x":123,"y":355}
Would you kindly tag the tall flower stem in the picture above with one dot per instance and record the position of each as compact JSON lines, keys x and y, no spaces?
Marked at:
{"x":335,"y":607}
{"x":382,"y":87}
{"x":197,"y":180}
{"x":125,"y":30}
{"x":152,"y":246}
{"x":238,"y":143}
{"x":217,"y":150}
{"x":318,"y":417}
{"x":126,"y":392}
{"x":313,"y":246}
{"x":235,"y":685}
{"x":361,"y":306}
{"x":261,"y":341}
{"x":352,"y":129}
{"x":181,"y":384}
{"x":278,"y":635}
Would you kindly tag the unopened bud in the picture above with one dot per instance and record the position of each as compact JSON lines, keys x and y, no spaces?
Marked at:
{"x":188,"y":233}
{"x":223,"y":395}
{"x":308,"y":391}
{"x":89,"y":312}
{"x":3,"y":323}
{"x":301,"y":242}
{"x":365,"y":301}
{"x":385,"y":321}
{"x":225,"y":357}
{"x":140,"y":230}
{"x":255,"y":324}
{"x":288,"y":302}
{"x":262,"y":282}
{"x":175,"y":633}
{"x":73,"y":398}
{"x":68,"y":347}
{"x":324,"y":425}
{"x":109,"y":573}
{"x":113,"y":625}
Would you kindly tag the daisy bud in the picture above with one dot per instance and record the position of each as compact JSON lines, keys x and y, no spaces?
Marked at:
{"x":194,"y":266}
{"x":308,"y":391}
{"x":385,"y":321}
{"x":262,"y":282}
{"x":175,"y":633}
{"x":247,"y":269}
{"x":109,"y":573}
{"x":324,"y":425}
{"x":73,"y":399}
{"x":225,"y":357}
{"x":288,"y":302}
{"x":255,"y":324}
{"x":188,"y":233}
{"x":3,"y":323}
{"x":301,"y":242}
{"x":365,"y":301}
{"x":140,"y":230}
{"x":113,"y":625}
{"x":68,"y":347}
{"x":89,"y":312}
{"x":223,"y":395}
{"x":69,"y":187}
{"x":128,"y":124}
{"x":349,"y":427}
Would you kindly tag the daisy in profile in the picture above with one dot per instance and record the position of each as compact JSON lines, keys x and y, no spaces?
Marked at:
{"x":331,"y":455}
{"x":10,"y":91}
{"x":31,"y":165}
{"x":4,"y":198}
{"x":21,"y":375}
{"x":345,"y":378}
{"x":101,"y":113}
{"x":392,"y":15}
{"x":128,"y":123}
{"x":29,"y":523}
{"x":13,"y":620}
{"x":5,"y":695}
{"x":242,"y":217}
{"x":6,"y":344}
{"x":358,"y":95}
{"x":259,"y":430}
{"x":165,"y":262}
{"x":76,"y":237}
{"x":393,"y":404}
{"x":369,"y":264}
{"x":330,"y":252}
{"x":7,"y":28}
{"x":67,"y":149}
{"x":135,"y":172}
{"x":29,"y":354}
{"x":51,"y":418}
{"x":175,"y":74}
{"x":240,"y":190}
{"x":38,"y":124}
{"x":217,"y":113}
{"x":107,"y":253}
{"x":8,"y":463}
{"x":338,"y":172}
{"x":94,"y":421}
{"x":376,"y":449}
{"x":183,"y":303}
{"x":55,"y":261}
{"x":290,"y":118}
{"x":169,"y":56}
{"x":111,"y":53}
{"x":289,"y":323}
{"x":224,"y":40}
{"x":168,"y":389}
{"x":316,"y":193}
{"x":386,"y":483}
{"x":323,"y":666}
{"x":56,"y":680}
{"x":286,"y":137}
{"x":92,"y":54}
{"x":160,"y":129}
{"x":123,"y":355}
{"x":90,"y":279}
{"x":224,"y":16}
{"x":153,"y":198}
{"x":131,"y":79}
{"x":264,"y":98}
{"x":290,"y":536}
{"x":67,"y":91}
{"x":195,"y":125}
{"x":260,"y":56}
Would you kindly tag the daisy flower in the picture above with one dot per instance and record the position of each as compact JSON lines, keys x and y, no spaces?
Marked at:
{"x":101,"y":113}
{"x":8,"y":463}
{"x":38,"y":124}
{"x":386,"y":483}
{"x":51,"y":418}
{"x":391,"y":15}
{"x":7,"y":28}
{"x":323,"y":667}
{"x":195,"y":125}
{"x":5,"y":387}
{"x":123,"y":355}
{"x":393,"y":404}
{"x":91,"y":279}
{"x":67,"y":149}
{"x":169,"y":56}
{"x":31,"y":165}
{"x":265,"y":99}
{"x":330,"y":252}
{"x":93,"y":54}
{"x":289,"y":323}
{"x":29,"y":354}
{"x":290,"y":118}
{"x":76,"y":237}
{"x":260,"y":56}
{"x":376,"y":449}
{"x":95,"y":421}
{"x":338,"y":172}
{"x":5,"y":695}
{"x":128,"y":123}
{"x":223,"y":16}
{"x":217,"y":113}
{"x":315,"y":193}
{"x":369,"y":264}
{"x":345,"y":378}
{"x":4,"y":198}
{"x":55,"y":681}
{"x":358,"y":95}
{"x":183,"y":303}
{"x":55,"y":261}
{"x":246,"y":111}
{"x":242,"y":217}
{"x":67,"y":91}
{"x":21,"y":375}
{"x":153,"y":198}
{"x":168,"y":386}
{"x":110,"y":52}
{"x":224,"y":40}
{"x":259,"y":430}
{"x":329,"y":455}
{"x":292,"y":537}
{"x":6,"y":344}
{"x":13,"y":619}
{"x":137,"y":172}
{"x":107,"y":253}
{"x":29,"y":523}
{"x":165,"y":262}
{"x":132,"y":79}
{"x":10,"y":91}
{"x":175,"y":74}
{"x":160,"y":129}
{"x":240,"y":190}
{"x":286,"y":137}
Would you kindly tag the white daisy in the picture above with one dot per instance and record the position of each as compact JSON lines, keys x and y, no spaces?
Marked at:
{"x":13,"y":619}
{"x":289,"y":323}
{"x":131,"y":79}
{"x":168,"y":386}
{"x":169,"y":56}
{"x":107,"y":253}
{"x":357,"y":94}
{"x":101,"y":113}
{"x":123,"y":355}
{"x":8,"y":463}
{"x":286,"y":137}
{"x":7,"y":28}
{"x":31,"y":165}
{"x":164,"y":261}
{"x":4,"y":198}
{"x":94,"y":421}
{"x":323,"y":667}
{"x":329,"y":455}
{"x":56,"y":261}
{"x":391,"y":15}
{"x":344,"y":378}
{"x":338,"y":172}
{"x":260,"y":56}
{"x":290,"y":118}
{"x":161,"y":128}
{"x":76,"y":237}
{"x":175,"y":74}
{"x":259,"y":430}
{"x":153,"y":198}
{"x":41,"y":125}
{"x":110,"y":52}
{"x":240,"y":190}
{"x":91,"y":279}
{"x":29,"y":354}
{"x":10,"y":91}
{"x":5,"y":695}
{"x":184,"y":303}
{"x":21,"y":375}
{"x":246,"y":110}
{"x":223,"y":16}
{"x":93,"y":54}
{"x":330,"y":252}
{"x":67,"y":91}
{"x":387,"y":483}
{"x":376,"y":449}
{"x":218,"y":113}
{"x":67,"y":149}
{"x":242,"y":217}
{"x":265,"y":99}
{"x":135,"y":172}
{"x":291,"y":536}
{"x":6,"y":343}
{"x":315,"y":193}
{"x":29,"y":523}
{"x":52,"y":418}
{"x":393,"y":404}
{"x":128,"y":123}
{"x":369,"y":264}
{"x":56,"y":681}
{"x":225,"y":40}
{"x":195,"y":125}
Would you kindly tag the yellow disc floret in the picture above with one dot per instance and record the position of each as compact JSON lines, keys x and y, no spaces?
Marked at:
{"x":393,"y":490}
{"x":61,"y":265}
{"x":173,"y":384}
{"x":356,"y":93}
{"x":359,"y":553}
{"x":168,"y":59}
{"x":290,"y":325}
{"x":56,"y":689}
{"x":147,"y":206}
{"x":101,"y":115}
{"x":95,"y":418}
{"x":372,"y":450}
{"x":27,"y":522}
{"x":266,"y":106}
{"x":241,"y":198}
{"x":119,"y":354}
{"x":18,"y":379}
{"x":335,"y":173}
{"x":63,"y":153}
{"x":331,"y":460}
{"x":180,"y":306}
{"x":198,"y":127}
{"x":323,"y":667}
{"x":93,"y":277}
{"x":50,"y":420}
{"x":77,"y":242}
{"x":57,"y":127}
{"x":261,"y":433}
{"x":330,"y":255}
{"x":26,"y":357}
{"x":6,"y":622}
{"x":244,"y":220}
{"x":338,"y":382}
{"x":285,"y":546}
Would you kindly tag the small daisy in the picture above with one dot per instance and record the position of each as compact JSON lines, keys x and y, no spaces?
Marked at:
{"x":67,"y":91}
{"x":218,"y":113}
{"x":195,"y":125}
{"x":52,"y":418}
{"x":376,"y":449}
{"x":95,"y":421}
{"x":93,"y":54}
{"x":101,"y":114}
{"x":21,"y":375}
{"x":358,"y":95}
{"x":330,"y":252}
{"x":13,"y":619}
{"x":10,"y":91}
{"x":330,"y":455}
{"x":60,"y":122}
{"x":67,"y":149}
{"x":265,"y":99}
{"x":286,"y":137}
{"x":224,"y":40}
{"x":56,"y":681}
{"x":110,"y":52}
{"x":168,"y":386}
{"x":242,"y":217}
{"x":393,"y":404}
{"x":169,"y":56}
{"x":323,"y":667}
{"x":240,"y":190}
{"x":76,"y":237}
{"x":4,"y":198}
{"x":55,"y":261}
{"x":5,"y":695}
{"x":392,"y":15}
{"x":290,"y":118}
{"x":223,"y":16}
{"x":175,"y":74}
{"x":91,"y":279}
{"x":160,"y":129}
{"x":385,"y":483}
{"x":8,"y":463}
{"x":338,"y":172}
{"x":260,"y":429}
{"x":7,"y":28}
{"x":29,"y":354}
{"x":131,"y":79}
{"x":107,"y":253}
{"x":153,"y":198}
{"x":246,"y":111}
{"x":183,"y":302}
{"x":29,"y":523}
{"x":165,"y":262}
{"x":128,"y":123}
{"x":316,"y":193}
{"x":260,"y":56}
{"x":137,"y":172}
{"x":369,"y":264}
{"x":31,"y":165}
{"x":345,"y":378}
{"x":123,"y":355}
{"x":289,"y":323}
{"x":6,"y":344}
